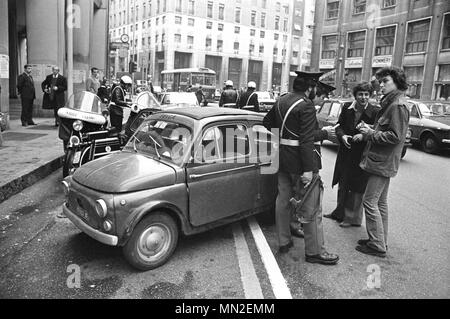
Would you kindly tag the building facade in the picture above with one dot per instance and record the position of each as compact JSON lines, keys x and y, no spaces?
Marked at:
{"x":354,"y":38}
{"x":34,"y":32}
{"x":241,"y":40}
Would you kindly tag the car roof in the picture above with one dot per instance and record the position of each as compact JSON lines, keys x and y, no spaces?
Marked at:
{"x":199,"y":113}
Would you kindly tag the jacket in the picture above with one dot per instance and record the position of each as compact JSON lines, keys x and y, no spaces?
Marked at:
{"x":229,"y":96}
{"x":302,"y":126}
{"x":384,"y":147}
{"x":347,"y":160}
{"x":249,"y":98}
{"x":25,"y":87}
{"x":59,"y":96}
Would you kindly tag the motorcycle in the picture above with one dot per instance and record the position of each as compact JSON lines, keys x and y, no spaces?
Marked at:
{"x":84,"y":131}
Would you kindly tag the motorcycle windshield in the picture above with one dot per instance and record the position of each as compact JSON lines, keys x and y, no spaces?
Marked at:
{"x":147,"y":100}
{"x":85,"y":102}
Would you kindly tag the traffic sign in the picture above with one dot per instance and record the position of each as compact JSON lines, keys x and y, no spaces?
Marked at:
{"x":118,"y":45}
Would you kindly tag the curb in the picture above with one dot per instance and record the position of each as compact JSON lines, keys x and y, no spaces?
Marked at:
{"x":16,"y":186}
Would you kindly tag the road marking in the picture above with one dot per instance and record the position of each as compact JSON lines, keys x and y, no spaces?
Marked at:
{"x":250,"y":281}
{"x":279,"y":285}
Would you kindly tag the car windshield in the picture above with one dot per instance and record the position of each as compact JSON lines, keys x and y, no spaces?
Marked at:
{"x":424,"y":109}
{"x":439,"y":109}
{"x":85,"y":102}
{"x":265,"y":95}
{"x":179,"y":98}
{"x":166,"y":140}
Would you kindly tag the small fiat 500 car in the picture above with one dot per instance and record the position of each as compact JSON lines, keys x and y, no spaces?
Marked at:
{"x":184,"y":171}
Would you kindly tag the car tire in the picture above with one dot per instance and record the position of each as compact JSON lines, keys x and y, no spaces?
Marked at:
{"x":405,"y":148}
{"x":429,"y":143}
{"x":152,"y":242}
{"x":68,"y":162}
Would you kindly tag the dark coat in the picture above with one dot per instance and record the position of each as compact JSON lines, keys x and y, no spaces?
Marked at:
{"x":384,"y":147}
{"x":59,"y":95}
{"x":301,"y":125}
{"x":25,"y":87}
{"x":229,"y":96}
{"x":249,"y":98}
{"x":347,"y":161}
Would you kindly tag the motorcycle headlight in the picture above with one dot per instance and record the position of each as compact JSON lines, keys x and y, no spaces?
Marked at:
{"x":74,"y":141}
{"x":100,"y":208}
{"x":77,"y":125}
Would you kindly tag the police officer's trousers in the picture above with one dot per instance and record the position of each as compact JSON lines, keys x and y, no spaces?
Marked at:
{"x":314,"y":239}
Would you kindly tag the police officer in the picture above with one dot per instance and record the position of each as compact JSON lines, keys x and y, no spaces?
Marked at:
{"x":249,"y":98}
{"x":230,"y":96}
{"x":294,"y":116}
{"x":118,"y":101}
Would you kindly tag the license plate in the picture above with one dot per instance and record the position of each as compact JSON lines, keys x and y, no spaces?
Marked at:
{"x":76,"y":157}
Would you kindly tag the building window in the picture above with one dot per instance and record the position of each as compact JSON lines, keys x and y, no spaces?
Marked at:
{"x":219,"y":45}
{"x":190,"y":40}
{"x":283,"y":52}
{"x":237,"y":15}
{"x":263,"y":20}
{"x":210,"y":10}
{"x":446,"y":33}
{"x":261,"y":49}
{"x":384,"y":44}
{"x":414,"y":78}
{"x":236,"y":46}
{"x":143,"y":41}
{"x":285,"y":38}
{"x":143,"y":25}
{"x":329,"y":46}
{"x":178,"y":6}
{"x":278,"y":6}
{"x":177,"y":38}
{"x":163,"y":38}
{"x":252,"y":32}
{"x":332,"y":9}
{"x":221,"y":11}
{"x":177,"y":20}
{"x":285,"y":25}
{"x":149,"y":8}
{"x":208,"y":25}
{"x":359,"y":6}
{"x":163,"y":19}
{"x":276,"y":36}
{"x":237,"y":29}
{"x":149,"y":39}
{"x":158,"y":6}
{"x":191,"y":7}
{"x":157,"y":21}
{"x":191,"y":22}
{"x":262,"y":34}
{"x":148,"y":24}
{"x":164,"y":5}
{"x":277,"y":23}
{"x":251,"y":49}
{"x":286,"y":9}
{"x":295,"y":54}
{"x":417,"y":37}
{"x":264,"y":4}
{"x":275,"y":51}
{"x":389,"y":3}
{"x":356,"y":42}
{"x":208,"y":44}
{"x":220,"y":27}
{"x":253,"y":18}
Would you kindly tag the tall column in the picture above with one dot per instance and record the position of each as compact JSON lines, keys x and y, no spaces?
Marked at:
{"x":99,"y":38}
{"x":4,"y":57}
{"x":82,"y":42}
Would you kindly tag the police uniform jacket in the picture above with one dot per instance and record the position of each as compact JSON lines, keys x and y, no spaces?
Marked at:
{"x":301,"y":128}
{"x":249,"y":98}
{"x":229,"y":96}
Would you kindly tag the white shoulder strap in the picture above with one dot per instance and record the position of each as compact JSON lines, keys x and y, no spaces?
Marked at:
{"x":287,"y":114}
{"x":248,"y":100}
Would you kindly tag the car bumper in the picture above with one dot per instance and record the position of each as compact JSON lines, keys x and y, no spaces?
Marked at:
{"x":88,"y":230}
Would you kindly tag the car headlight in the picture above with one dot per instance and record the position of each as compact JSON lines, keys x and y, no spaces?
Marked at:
{"x":101,"y":208}
{"x":77,"y":125}
{"x":107,"y":225}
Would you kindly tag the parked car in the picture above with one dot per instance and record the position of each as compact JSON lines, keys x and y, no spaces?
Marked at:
{"x":178,"y":174}
{"x":328,"y":114}
{"x":180,"y":99}
{"x":266,"y":101}
{"x":430,"y":124}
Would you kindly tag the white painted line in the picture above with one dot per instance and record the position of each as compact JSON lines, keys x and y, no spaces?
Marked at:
{"x":250,"y":281}
{"x":279,"y":285}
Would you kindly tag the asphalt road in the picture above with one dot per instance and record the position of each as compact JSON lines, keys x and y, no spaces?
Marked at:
{"x":40,"y":253}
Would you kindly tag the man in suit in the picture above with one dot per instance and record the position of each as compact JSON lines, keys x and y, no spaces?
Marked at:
{"x":54,"y":87}
{"x":351,"y":178}
{"x":25,"y":87}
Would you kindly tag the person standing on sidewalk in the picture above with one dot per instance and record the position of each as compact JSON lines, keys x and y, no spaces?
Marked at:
{"x":381,"y":157}
{"x":92,"y":82}
{"x":54,"y":87}
{"x":295,"y":117}
{"x":351,"y":178}
{"x":25,"y":87}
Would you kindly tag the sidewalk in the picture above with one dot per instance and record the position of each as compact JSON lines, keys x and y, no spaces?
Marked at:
{"x":28,"y":154}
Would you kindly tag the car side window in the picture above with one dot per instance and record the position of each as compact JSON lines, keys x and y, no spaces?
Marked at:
{"x":413,"y":111}
{"x":325,"y":108}
{"x":264,"y":141}
{"x":335,"y":109}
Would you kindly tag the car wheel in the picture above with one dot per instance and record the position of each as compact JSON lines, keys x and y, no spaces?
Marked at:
{"x":152,"y":242}
{"x":405,"y":148}
{"x":429,"y":143}
{"x":68,"y":162}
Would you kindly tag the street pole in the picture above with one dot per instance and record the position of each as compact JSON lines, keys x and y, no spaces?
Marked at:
{"x":69,"y":25}
{"x":108,"y":40}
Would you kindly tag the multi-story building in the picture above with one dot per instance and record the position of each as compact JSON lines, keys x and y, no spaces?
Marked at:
{"x":34,"y":32}
{"x":354,"y":38}
{"x":242,"y":40}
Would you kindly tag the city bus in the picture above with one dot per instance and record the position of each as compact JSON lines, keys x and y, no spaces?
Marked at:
{"x":180,"y":79}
